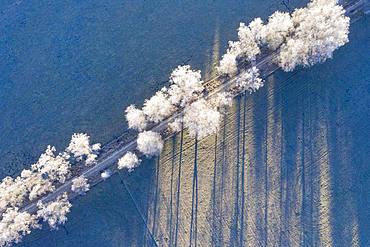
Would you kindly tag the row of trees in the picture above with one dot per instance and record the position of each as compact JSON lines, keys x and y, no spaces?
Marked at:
{"x":51,"y":170}
{"x":307,"y":36}
{"x":185,"y":93}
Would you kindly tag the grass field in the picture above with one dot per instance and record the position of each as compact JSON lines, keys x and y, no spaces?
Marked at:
{"x":289,"y":165}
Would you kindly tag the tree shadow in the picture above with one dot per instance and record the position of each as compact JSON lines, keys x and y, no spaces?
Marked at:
{"x":290,"y":163}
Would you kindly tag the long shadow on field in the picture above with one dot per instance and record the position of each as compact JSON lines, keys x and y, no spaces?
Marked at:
{"x":235,"y":219}
{"x":177,"y":206}
{"x":170,"y":216}
{"x":289,"y":164}
{"x":194,"y":200}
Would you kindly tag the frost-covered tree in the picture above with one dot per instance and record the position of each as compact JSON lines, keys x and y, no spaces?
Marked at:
{"x":128,"y":161}
{"x":79,"y":145}
{"x":80,"y":185}
{"x":96,"y":147}
{"x":14,"y":225}
{"x":81,"y":149}
{"x":91,"y":159}
{"x":30,"y":184}
{"x":175,"y":125}
{"x":228,"y":64}
{"x":158,"y":107}
{"x":257,"y":29}
{"x":135,"y":118}
{"x":222,"y":99}
{"x":54,"y":213}
{"x":319,"y":29}
{"x":279,"y":26}
{"x":246,"y":48}
{"x":149,"y":143}
{"x":53,"y":167}
{"x":249,"y":80}
{"x":201,"y":119}
{"x":12,"y":192}
{"x":50,"y":170}
{"x":186,"y":85}
{"x":38,"y":186}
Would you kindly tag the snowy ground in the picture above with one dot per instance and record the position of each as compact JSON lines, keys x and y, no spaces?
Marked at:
{"x":303,"y":177}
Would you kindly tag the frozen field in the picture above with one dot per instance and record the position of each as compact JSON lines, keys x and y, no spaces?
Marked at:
{"x":290,"y":165}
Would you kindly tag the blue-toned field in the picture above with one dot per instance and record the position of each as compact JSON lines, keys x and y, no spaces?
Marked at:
{"x":302,"y":179}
